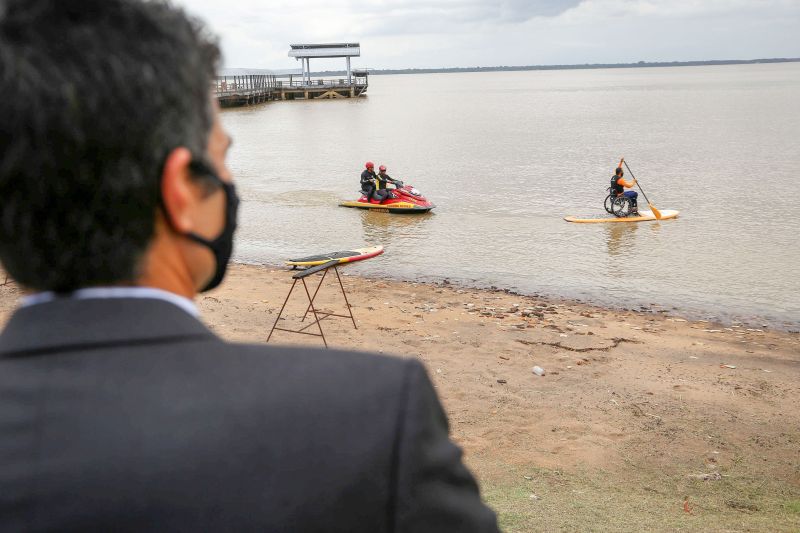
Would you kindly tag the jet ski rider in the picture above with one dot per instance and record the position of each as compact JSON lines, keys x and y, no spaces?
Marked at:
{"x":373,"y":186}
{"x":368,"y":178}
{"x":383,"y":179}
{"x":618,"y":186}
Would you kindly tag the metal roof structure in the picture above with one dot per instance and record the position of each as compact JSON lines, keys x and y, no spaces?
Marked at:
{"x":305,"y":52}
{"x":258,"y":72}
{"x":325,"y":50}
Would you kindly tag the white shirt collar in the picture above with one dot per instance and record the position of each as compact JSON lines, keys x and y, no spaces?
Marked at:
{"x":114,"y":292}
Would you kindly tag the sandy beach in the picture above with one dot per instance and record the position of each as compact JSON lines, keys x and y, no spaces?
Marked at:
{"x":641,"y":421}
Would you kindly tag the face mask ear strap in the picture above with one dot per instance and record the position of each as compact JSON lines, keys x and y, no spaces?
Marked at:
{"x":198,"y":167}
{"x":201,"y":240}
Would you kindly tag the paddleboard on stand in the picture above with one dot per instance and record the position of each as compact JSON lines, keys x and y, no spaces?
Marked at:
{"x":345,"y":256}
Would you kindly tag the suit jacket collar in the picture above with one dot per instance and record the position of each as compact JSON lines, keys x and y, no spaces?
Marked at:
{"x":70,"y":324}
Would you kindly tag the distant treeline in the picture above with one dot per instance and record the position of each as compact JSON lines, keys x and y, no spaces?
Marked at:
{"x":640,"y":64}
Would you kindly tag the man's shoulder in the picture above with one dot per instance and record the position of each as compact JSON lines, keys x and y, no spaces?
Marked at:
{"x":309,"y":371}
{"x":312,"y":359}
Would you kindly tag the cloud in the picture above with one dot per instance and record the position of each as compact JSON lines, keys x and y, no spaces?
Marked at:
{"x":440,"y":33}
{"x":522,"y":10}
{"x":696,"y":9}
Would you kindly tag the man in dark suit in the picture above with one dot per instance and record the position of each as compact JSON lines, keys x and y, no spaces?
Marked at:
{"x":119,"y":410}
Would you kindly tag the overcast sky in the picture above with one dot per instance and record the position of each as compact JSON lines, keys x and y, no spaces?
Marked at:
{"x":468,"y":33}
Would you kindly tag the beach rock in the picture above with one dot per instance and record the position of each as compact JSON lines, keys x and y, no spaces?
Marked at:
{"x":711,"y":476}
{"x":539,"y":371}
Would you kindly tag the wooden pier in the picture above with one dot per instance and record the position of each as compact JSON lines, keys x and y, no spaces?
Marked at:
{"x":238,"y":87}
{"x":244,"y":88}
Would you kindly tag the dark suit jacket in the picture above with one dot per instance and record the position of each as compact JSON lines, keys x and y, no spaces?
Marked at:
{"x":130,"y":415}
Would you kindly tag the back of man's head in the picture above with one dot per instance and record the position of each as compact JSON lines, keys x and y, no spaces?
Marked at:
{"x":95,"y":95}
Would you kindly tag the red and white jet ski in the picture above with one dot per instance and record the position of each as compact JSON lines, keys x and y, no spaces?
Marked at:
{"x":402,"y":199}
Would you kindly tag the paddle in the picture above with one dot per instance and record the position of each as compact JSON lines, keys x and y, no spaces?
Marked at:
{"x":655,"y":211}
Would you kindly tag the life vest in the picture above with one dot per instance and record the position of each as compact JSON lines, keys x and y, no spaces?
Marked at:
{"x":616,"y":188}
{"x":382,"y":181}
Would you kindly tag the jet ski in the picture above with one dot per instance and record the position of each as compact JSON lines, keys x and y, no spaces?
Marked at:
{"x":402,"y":199}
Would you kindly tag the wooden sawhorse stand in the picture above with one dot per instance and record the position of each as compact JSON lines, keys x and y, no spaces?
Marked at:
{"x":319,"y":316}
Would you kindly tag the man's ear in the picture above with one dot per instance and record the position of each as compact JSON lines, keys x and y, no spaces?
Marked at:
{"x":177,"y":192}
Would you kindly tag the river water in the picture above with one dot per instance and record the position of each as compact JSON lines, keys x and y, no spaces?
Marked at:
{"x":506,"y":155}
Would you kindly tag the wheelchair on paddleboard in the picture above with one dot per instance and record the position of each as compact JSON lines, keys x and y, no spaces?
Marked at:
{"x":620,"y":206}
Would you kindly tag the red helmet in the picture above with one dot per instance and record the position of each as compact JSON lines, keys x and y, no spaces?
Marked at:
{"x":370,"y":164}
{"x":382,"y":168}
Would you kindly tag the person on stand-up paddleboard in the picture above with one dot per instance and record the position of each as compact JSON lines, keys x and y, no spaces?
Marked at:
{"x":618,"y":186}
{"x":368,"y":178}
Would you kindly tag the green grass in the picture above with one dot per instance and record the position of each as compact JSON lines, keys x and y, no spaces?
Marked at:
{"x":792,"y":506}
{"x":597,"y":501}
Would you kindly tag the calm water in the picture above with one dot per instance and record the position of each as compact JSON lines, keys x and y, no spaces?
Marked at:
{"x":506,"y":155}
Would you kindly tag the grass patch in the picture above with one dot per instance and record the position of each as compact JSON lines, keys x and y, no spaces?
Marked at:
{"x":792,"y":506}
{"x":634,"y":501}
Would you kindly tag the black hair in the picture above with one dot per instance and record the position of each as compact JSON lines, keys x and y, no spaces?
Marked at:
{"x":618,"y":172}
{"x":95,"y":95}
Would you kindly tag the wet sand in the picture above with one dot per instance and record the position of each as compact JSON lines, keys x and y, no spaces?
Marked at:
{"x":641,"y":421}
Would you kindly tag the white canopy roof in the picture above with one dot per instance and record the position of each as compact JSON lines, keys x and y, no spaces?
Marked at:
{"x":325,"y":50}
{"x":257,"y":72}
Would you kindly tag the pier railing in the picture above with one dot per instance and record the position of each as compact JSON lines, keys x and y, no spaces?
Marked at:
{"x":255,"y":88}
{"x":256,"y":83}
{"x":317,"y":83}
{"x":228,"y":85}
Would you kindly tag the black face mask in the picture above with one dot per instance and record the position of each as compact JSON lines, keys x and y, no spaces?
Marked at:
{"x":222,"y":246}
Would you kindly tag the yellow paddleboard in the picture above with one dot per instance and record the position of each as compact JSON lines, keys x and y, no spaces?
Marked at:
{"x":643,"y":217}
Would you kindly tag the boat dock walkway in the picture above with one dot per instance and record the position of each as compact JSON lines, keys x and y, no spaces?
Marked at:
{"x":247,"y":89}
{"x":238,"y":87}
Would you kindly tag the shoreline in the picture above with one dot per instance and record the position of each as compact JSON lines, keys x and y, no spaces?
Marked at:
{"x":586,"y":66}
{"x":636,"y":412}
{"x":691,"y":315}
